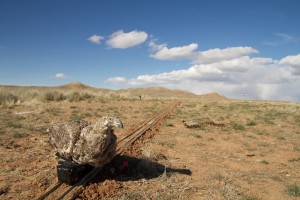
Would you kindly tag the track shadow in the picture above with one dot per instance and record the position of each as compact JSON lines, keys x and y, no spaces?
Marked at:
{"x":125,"y":168}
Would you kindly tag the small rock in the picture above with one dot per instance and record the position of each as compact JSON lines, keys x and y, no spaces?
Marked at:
{"x":191,"y":124}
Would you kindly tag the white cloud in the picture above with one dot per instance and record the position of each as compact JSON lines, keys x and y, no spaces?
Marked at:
{"x":165,"y":53}
{"x":156,"y":47}
{"x":259,"y":78}
{"x":116,"y":80}
{"x":162,"y":52}
{"x":292,"y":61}
{"x":215,"y":55}
{"x":60,"y":75}
{"x":123,"y":40}
{"x":96,"y":39}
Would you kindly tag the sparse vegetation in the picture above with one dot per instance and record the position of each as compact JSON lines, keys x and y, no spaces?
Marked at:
{"x":238,"y":127}
{"x":196,"y":135}
{"x":170,"y":125}
{"x":296,"y":148}
{"x":251,"y":123}
{"x":14,"y":124}
{"x":265,"y":162}
{"x":53,"y":111}
{"x":219,"y":177}
{"x":76,"y":96}
{"x":19,"y":135}
{"x":167,"y":144}
{"x":53,"y":96}
{"x":293,"y":190}
{"x":238,"y":145}
{"x":294,"y":159}
{"x":76,"y":117}
{"x":7,"y":98}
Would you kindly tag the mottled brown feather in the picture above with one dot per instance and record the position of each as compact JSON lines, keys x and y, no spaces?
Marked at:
{"x":86,"y":143}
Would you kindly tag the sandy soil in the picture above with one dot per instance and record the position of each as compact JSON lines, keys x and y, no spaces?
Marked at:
{"x":240,"y":150}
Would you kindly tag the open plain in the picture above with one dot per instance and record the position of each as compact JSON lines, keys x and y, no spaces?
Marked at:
{"x":209,"y":147}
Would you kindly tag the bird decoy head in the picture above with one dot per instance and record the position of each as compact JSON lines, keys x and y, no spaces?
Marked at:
{"x":112,"y":121}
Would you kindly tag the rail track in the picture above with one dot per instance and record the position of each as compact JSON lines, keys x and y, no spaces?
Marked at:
{"x":63,"y":191}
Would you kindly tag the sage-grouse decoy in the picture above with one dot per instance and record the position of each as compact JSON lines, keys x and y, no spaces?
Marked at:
{"x":84,"y":142}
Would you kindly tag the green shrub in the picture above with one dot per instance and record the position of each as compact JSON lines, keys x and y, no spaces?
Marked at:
{"x":13,"y":124}
{"x":265,"y":162}
{"x":19,"y":135}
{"x":251,"y":123}
{"x":294,"y":190}
{"x":238,"y":127}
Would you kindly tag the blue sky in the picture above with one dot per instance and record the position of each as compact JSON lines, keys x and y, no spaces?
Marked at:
{"x":230,"y":47}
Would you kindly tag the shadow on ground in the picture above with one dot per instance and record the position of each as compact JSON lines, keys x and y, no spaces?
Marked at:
{"x":125,"y":168}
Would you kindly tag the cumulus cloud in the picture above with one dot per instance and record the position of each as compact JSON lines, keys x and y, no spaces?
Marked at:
{"x":189,"y":52}
{"x":175,"y":53}
{"x":258,"y":77}
{"x":96,"y":39}
{"x":156,"y":47}
{"x":215,"y":55}
{"x":60,"y":75}
{"x":293,"y":61}
{"x":122,"y":40}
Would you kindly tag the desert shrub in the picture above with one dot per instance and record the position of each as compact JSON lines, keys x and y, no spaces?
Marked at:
{"x":19,"y":135}
{"x":238,"y":127}
{"x":76,"y":117}
{"x":251,"y":123}
{"x":169,"y":125}
{"x":265,"y":162}
{"x":7,"y":98}
{"x":294,"y":190}
{"x":294,"y":159}
{"x":14,"y":124}
{"x":53,"y":96}
{"x":76,"y":96}
{"x":86,"y":96}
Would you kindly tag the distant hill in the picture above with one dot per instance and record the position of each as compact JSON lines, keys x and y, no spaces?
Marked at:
{"x":133,"y":93}
{"x":212,"y":96}
{"x":157,"y":92}
{"x":75,"y":85}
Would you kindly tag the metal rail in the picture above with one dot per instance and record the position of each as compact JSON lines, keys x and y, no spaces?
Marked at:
{"x":64,"y":191}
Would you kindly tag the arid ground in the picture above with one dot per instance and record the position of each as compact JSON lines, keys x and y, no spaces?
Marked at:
{"x":206,"y":149}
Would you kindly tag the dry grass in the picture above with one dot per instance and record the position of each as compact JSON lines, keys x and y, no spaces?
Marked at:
{"x":75,"y":92}
{"x":244,"y":149}
{"x":256,"y":147}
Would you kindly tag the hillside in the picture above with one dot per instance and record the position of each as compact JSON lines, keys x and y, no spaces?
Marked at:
{"x":157,"y":92}
{"x":30,"y":92}
{"x":75,"y":85}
